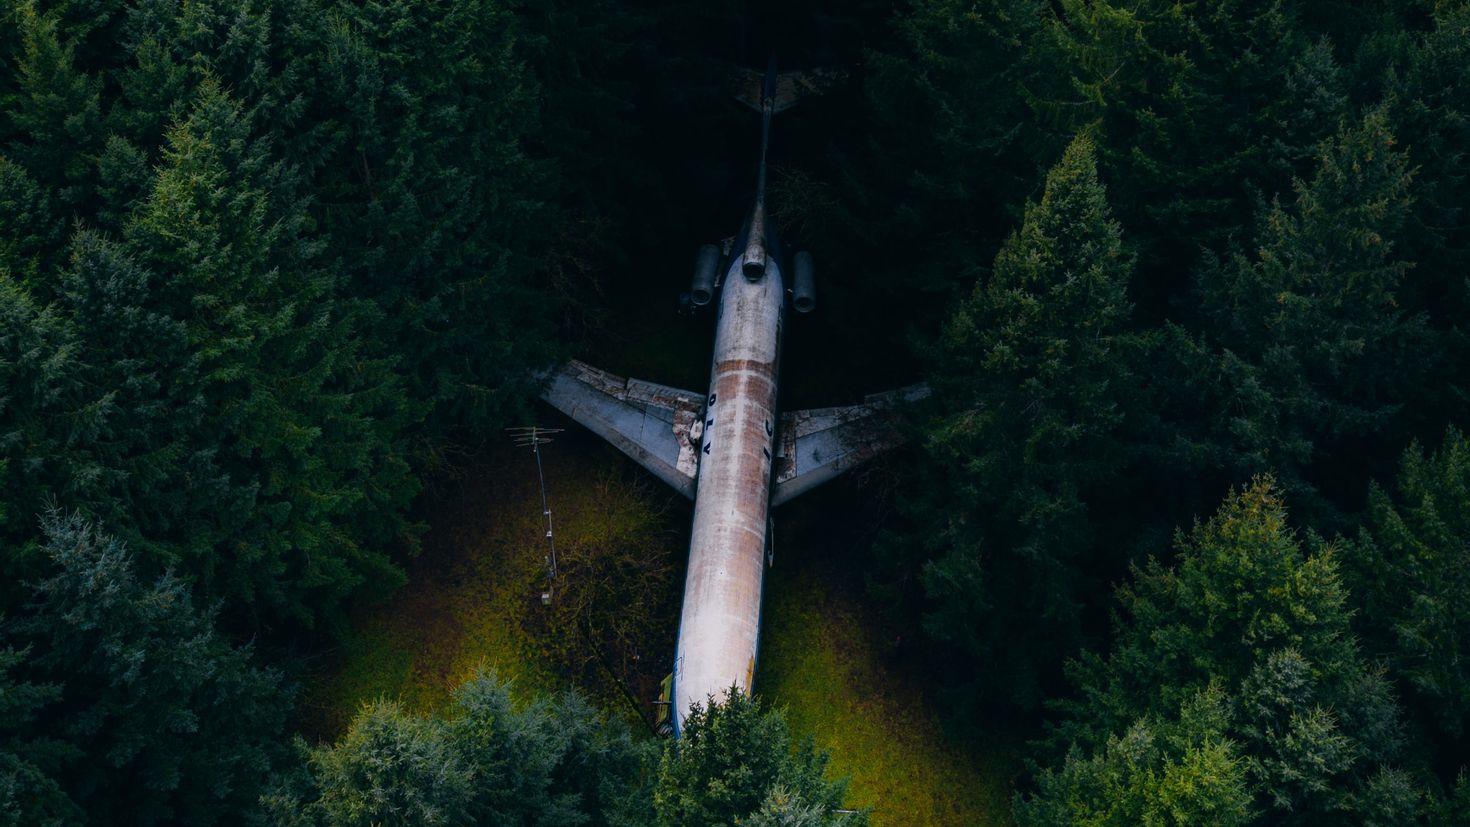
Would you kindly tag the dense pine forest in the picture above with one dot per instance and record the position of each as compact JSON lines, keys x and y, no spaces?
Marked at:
{"x":1187,"y":513}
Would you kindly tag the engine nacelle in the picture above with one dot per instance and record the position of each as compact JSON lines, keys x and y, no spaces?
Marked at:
{"x":803,"y":284}
{"x":702,"y":288}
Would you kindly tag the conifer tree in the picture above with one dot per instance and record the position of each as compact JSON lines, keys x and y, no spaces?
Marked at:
{"x":1032,"y":385}
{"x":1166,"y":772}
{"x":1316,"y":352}
{"x":1428,"y":92}
{"x":1244,"y":612}
{"x":1199,"y":108}
{"x":43,"y":412}
{"x":930,"y":171}
{"x":735,"y":760}
{"x":52,"y":122}
{"x":296,"y":423}
{"x":429,"y":200}
{"x":162,"y":719}
{"x":552,"y":762}
{"x":1409,"y":572}
{"x":29,"y":760}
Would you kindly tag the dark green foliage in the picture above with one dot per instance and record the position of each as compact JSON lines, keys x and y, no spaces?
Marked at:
{"x":735,"y":761}
{"x":922,"y":169}
{"x":1175,"y":771}
{"x":132,"y":695}
{"x":1032,"y":385}
{"x":1409,"y":571}
{"x":554,"y":761}
{"x":427,"y":198}
{"x":52,"y":120}
{"x":29,"y":792}
{"x":1316,"y":350}
{"x":1198,"y":106}
{"x":1245,"y":615}
{"x":40,"y":405}
{"x":1429,"y":96}
{"x":279,"y":379}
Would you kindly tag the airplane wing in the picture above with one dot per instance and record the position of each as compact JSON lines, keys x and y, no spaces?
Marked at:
{"x":658,"y":426}
{"x":818,"y":444}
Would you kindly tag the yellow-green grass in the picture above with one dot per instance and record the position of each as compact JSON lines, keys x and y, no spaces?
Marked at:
{"x":821,"y":660}
{"x":478,"y":580}
{"x":470,"y":593}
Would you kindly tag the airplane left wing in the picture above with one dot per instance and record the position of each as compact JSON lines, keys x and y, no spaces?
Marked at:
{"x":658,"y":426}
{"x":818,"y":444}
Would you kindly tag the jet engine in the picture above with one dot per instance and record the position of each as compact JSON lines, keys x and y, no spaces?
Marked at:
{"x":803,"y":284}
{"x":702,"y":288}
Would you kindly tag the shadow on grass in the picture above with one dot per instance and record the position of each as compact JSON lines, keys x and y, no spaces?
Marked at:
{"x":825,"y":660}
{"x":473,"y":596}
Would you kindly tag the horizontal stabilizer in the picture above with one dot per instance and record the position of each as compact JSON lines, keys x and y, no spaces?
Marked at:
{"x":745,"y":85}
{"x":817,"y":445}
{"x":656,"y":425}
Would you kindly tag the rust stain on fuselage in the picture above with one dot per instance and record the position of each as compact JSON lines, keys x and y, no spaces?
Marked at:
{"x":719,"y":623}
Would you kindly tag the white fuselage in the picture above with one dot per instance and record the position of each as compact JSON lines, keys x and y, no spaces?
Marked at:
{"x":719,"y":626}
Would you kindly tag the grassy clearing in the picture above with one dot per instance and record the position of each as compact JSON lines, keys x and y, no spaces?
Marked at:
{"x":821,"y":660}
{"x":472,"y":600}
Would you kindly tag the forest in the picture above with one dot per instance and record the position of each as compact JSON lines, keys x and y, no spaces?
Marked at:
{"x":1186,"y":516}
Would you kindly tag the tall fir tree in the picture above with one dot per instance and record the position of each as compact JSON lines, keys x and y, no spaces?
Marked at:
{"x":1409,"y":572}
{"x":164,"y":721}
{"x":1316,"y":354}
{"x":1033,"y":406}
{"x":30,"y":761}
{"x":1173,"y":771}
{"x":1244,"y":612}
{"x":304,"y":486}
{"x":1199,"y":107}
{"x":554,"y":761}
{"x":736,"y":760}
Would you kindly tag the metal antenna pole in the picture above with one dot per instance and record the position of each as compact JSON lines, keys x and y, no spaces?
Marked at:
{"x":533,"y":437}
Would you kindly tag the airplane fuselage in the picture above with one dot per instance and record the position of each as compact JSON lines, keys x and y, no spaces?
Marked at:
{"x":719,"y":626}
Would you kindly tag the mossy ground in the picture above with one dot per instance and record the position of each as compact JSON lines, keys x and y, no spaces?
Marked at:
{"x":472,"y":602}
{"x":473,"y":597}
{"x":823,"y":659}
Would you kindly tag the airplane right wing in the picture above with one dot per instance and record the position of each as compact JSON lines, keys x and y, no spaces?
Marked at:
{"x":658,"y":426}
{"x":818,"y":444}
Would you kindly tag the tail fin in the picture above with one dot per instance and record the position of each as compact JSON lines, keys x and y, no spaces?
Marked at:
{"x":784,"y":88}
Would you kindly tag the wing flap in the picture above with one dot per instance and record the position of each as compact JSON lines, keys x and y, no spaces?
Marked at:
{"x":656,"y":425}
{"x":817,"y":445}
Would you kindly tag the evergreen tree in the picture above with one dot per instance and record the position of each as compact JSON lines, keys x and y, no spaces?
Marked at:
{"x":735,"y":760}
{"x":1243,"y":612}
{"x":304,"y":487}
{"x":1316,"y":352}
{"x":931,"y":154}
{"x":1033,"y":383}
{"x":1428,"y":93}
{"x":1409,"y":572}
{"x":428,"y":199}
{"x":393,"y":768}
{"x":42,"y":406}
{"x":1199,"y":108}
{"x":161,"y":719}
{"x":554,"y":761}
{"x":1158,"y":772}
{"x":29,"y":791}
{"x":31,"y":230}
{"x":52,"y":123}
